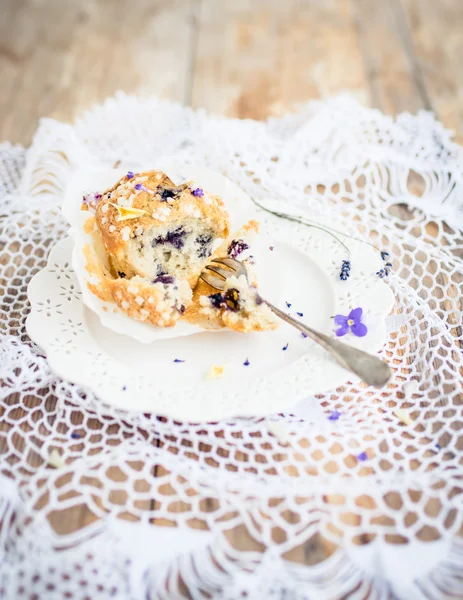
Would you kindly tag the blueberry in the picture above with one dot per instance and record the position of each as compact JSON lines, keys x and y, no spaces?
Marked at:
{"x":216,"y":300}
{"x":175,"y":238}
{"x":204,"y":242}
{"x":229,"y":300}
{"x":236,"y":248}
{"x":166,"y":279}
{"x":166,"y":193}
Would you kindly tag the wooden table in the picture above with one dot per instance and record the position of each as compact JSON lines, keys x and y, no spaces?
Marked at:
{"x":242,"y":58}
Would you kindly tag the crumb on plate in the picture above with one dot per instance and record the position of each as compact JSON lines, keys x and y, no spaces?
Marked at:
{"x":215,"y":372}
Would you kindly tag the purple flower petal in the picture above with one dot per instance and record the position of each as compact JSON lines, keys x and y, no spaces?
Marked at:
{"x":342,"y":330}
{"x":340,"y":320}
{"x":304,"y":335}
{"x":285,"y":347}
{"x":300,"y":314}
{"x":246,"y":363}
{"x":362,"y":456}
{"x":75,"y":436}
{"x":198,"y":192}
{"x":91,"y":200}
{"x":130,"y":174}
{"x":288,"y":304}
{"x":359,"y":329}
{"x":334,"y":416}
{"x":356,"y":314}
{"x":140,"y":186}
{"x":178,"y":360}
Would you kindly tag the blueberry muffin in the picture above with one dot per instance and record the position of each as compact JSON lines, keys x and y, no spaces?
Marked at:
{"x":156,"y":238}
{"x":152,"y":239}
{"x":152,"y":228}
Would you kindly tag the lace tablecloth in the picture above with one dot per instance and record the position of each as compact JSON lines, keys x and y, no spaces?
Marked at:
{"x":356,"y":493}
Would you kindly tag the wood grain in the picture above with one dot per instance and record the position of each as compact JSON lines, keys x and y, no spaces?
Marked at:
{"x":389,"y":64}
{"x":257,"y":58}
{"x":436,"y":35}
{"x":59,"y":57}
{"x":248,"y":58}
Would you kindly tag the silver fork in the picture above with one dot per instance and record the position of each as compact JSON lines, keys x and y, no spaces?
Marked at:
{"x":370,"y":369}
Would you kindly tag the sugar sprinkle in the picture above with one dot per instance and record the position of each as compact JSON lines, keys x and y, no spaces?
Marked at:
{"x":54,"y":459}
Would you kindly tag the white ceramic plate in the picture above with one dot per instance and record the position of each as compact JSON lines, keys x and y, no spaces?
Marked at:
{"x":144,"y":377}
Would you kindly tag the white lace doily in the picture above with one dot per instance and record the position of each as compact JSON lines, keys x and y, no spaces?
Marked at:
{"x":358,"y":493}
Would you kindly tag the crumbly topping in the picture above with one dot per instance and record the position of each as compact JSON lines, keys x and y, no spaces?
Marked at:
{"x":161,"y":213}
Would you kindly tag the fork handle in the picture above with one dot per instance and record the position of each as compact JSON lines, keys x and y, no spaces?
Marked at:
{"x":369,"y":368}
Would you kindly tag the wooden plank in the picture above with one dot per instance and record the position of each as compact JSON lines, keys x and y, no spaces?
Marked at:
{"x":59,"y":57}
{"x":257,"y":58}
{"x":436,"y":33}
{"x":389,"y":65}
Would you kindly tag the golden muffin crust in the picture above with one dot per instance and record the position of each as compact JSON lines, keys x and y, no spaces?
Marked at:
{"x":149,"y":202}
{"x":158,"y":303}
